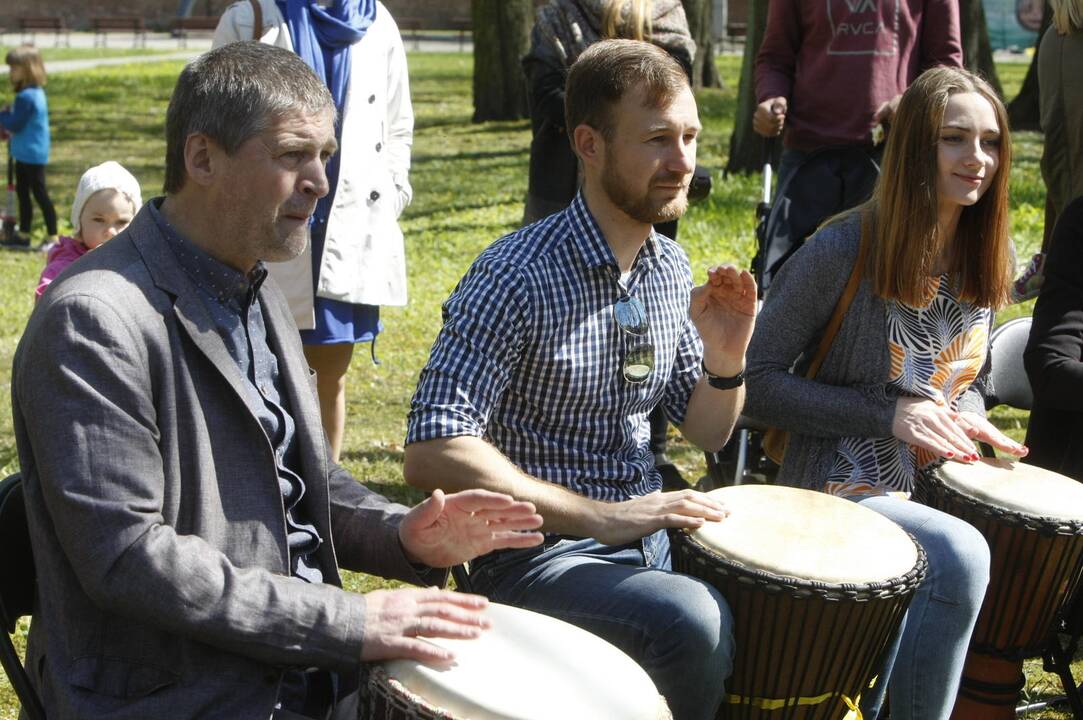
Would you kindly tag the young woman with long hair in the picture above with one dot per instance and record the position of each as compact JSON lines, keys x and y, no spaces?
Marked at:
{"x":900,"y":386}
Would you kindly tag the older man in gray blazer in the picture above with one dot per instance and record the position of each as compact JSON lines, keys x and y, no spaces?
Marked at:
{"x":187,"y":524}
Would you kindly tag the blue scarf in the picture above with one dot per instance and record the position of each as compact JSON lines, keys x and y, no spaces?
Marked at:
{"x":322,"y":37}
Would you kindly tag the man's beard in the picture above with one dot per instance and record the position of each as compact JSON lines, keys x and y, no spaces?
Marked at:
{"x":641,"y":207}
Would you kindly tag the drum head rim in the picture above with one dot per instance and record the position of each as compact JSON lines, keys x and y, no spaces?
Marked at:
{"x":1038,"y":523}
{"x":799,"y":587}
{"x":379,"y":679}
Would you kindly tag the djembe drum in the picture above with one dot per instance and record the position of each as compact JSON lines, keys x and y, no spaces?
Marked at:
{"x":1033,"y":521}
{"x":818,"y":586}
{"x":527,"y":666}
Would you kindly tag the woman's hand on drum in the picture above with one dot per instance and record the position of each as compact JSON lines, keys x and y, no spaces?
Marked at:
{"x":934,"y":427}
{"x":397,"y":620}
{"x":978,"y":428}
{"x":447,"y":530}
{"x":636,"y":518}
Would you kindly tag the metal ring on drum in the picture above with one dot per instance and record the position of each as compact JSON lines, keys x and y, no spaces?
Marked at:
{"x":818,"y":587}
{"x":527,"y":666}
{"x":1033,"y":521}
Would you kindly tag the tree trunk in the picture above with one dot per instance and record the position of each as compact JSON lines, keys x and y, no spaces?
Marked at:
{"x":746,"y":147}
{"x":977,"y":52}
{"x":501,"y":39}
{"x":704,"y":70}
{"x":1024,"y":111}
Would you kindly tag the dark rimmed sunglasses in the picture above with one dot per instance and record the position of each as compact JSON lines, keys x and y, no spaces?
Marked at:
{"x":637,"y":363}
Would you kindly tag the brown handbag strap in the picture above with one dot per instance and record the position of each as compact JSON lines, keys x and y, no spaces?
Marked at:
{"x":843,"y":304}
{"x":257,"y":23}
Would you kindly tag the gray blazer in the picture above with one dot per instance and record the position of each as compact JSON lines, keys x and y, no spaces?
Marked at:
{"x":848,"y":397}
{"x":155,"y":513}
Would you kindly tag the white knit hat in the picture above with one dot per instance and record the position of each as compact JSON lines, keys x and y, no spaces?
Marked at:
{"x":107,"y":176}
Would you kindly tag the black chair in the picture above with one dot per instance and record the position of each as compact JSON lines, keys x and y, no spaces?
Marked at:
{"x":17,"y":588}
{"x":1008,"y":382}
{"x":461,"y":573}
{"x":1010,"y":385}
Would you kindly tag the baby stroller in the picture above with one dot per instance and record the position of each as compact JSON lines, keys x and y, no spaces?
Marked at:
{"x":824,"y":183}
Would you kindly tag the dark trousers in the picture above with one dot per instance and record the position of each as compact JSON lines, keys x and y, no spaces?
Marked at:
{"x":30,"y":180}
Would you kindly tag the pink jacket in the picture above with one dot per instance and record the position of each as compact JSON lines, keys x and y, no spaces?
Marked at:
{"x":64,"y":253}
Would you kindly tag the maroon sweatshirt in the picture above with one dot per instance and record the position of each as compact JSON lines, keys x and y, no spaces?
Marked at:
{"x":837,"y":61}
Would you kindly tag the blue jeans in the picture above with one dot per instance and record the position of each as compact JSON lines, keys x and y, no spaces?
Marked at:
{"x":924,"y":665}
{"x":678,"y":628}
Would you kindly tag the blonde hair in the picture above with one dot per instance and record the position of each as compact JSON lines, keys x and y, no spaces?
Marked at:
{"x":1067,"y":15}
{"x":628,"y":19}
{"x":28,"y":59}
{"x":905,"y":243}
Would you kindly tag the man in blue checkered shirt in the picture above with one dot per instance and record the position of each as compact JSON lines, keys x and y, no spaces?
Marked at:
{"x":557,"y":344}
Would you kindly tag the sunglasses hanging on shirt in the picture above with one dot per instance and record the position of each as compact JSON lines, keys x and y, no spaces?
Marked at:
{"x":637,"y":362}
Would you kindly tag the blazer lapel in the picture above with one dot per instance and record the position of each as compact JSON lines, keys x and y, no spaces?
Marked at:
{"x":187,"y":305}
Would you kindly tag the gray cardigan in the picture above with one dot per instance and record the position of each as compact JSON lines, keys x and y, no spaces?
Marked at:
{"x":849,"y":396}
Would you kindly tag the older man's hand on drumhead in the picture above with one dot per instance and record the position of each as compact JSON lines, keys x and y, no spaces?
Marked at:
{"x":978,"y":428}
{"x":633,"y":519}
{"x":447,"y":530}
{"x":397,"y":621}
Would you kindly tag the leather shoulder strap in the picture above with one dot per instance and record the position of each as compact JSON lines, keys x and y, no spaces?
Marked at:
{"x":257,"y":20}
{"x":843,"y":304}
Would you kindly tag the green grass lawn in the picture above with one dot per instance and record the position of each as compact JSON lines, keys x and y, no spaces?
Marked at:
{"x":469,"y":182}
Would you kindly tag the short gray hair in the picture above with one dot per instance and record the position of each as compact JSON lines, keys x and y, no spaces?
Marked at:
{"x":234,"y":93}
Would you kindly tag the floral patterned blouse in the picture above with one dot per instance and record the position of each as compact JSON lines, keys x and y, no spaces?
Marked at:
{"x":936,"y":353}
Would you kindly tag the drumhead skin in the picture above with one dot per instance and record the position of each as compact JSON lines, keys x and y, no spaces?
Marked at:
{"x":529,"y":666}
{"x":1018,"y":487}
{"x":795,"y":533}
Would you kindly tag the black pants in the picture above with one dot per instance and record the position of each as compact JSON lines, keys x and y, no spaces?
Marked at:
{"x":30,"y":179}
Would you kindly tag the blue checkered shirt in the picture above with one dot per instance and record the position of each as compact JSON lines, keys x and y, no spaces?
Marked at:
{"x":530,"y":354}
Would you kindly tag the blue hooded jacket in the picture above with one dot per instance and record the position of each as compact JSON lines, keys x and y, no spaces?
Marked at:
{"x":28,"y":122}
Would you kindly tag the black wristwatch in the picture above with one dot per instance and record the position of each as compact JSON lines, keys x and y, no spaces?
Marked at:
{"x":720,"y":382}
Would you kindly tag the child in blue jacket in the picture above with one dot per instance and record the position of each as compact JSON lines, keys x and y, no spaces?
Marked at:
{"x":28,"y":123}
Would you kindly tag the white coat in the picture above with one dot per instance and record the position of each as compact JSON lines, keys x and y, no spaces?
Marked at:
{"x":363,"y":260}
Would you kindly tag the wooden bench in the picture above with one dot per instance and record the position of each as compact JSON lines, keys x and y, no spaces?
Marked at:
{"x":464,"y":25}
{"x":410,"y":27}
{"x":30,"y":24}
{"x":183,"y":26}
{"x":133,"y":24}
{"x":736,"y":32}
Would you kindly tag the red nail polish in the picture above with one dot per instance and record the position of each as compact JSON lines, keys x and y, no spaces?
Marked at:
{"x":950,"y":455}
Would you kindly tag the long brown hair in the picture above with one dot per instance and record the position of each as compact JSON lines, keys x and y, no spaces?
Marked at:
{"x":905,"y":244}
{"x":28,"y":59}
{"x":1067,"y":15}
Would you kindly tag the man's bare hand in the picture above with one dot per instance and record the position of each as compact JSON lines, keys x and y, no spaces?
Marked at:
{"x":447,"y":530}
{"x":636,"y":518}
{"x":770,"y":117}
{"x":396,"y":620}
{"x":886,"y":112}
{"x":723,"y":310}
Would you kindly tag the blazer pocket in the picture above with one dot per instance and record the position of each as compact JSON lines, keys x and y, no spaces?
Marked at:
{"x":119,"y":678}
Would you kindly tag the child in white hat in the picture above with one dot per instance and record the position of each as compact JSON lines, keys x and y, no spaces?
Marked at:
{"x":106,"y":200}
